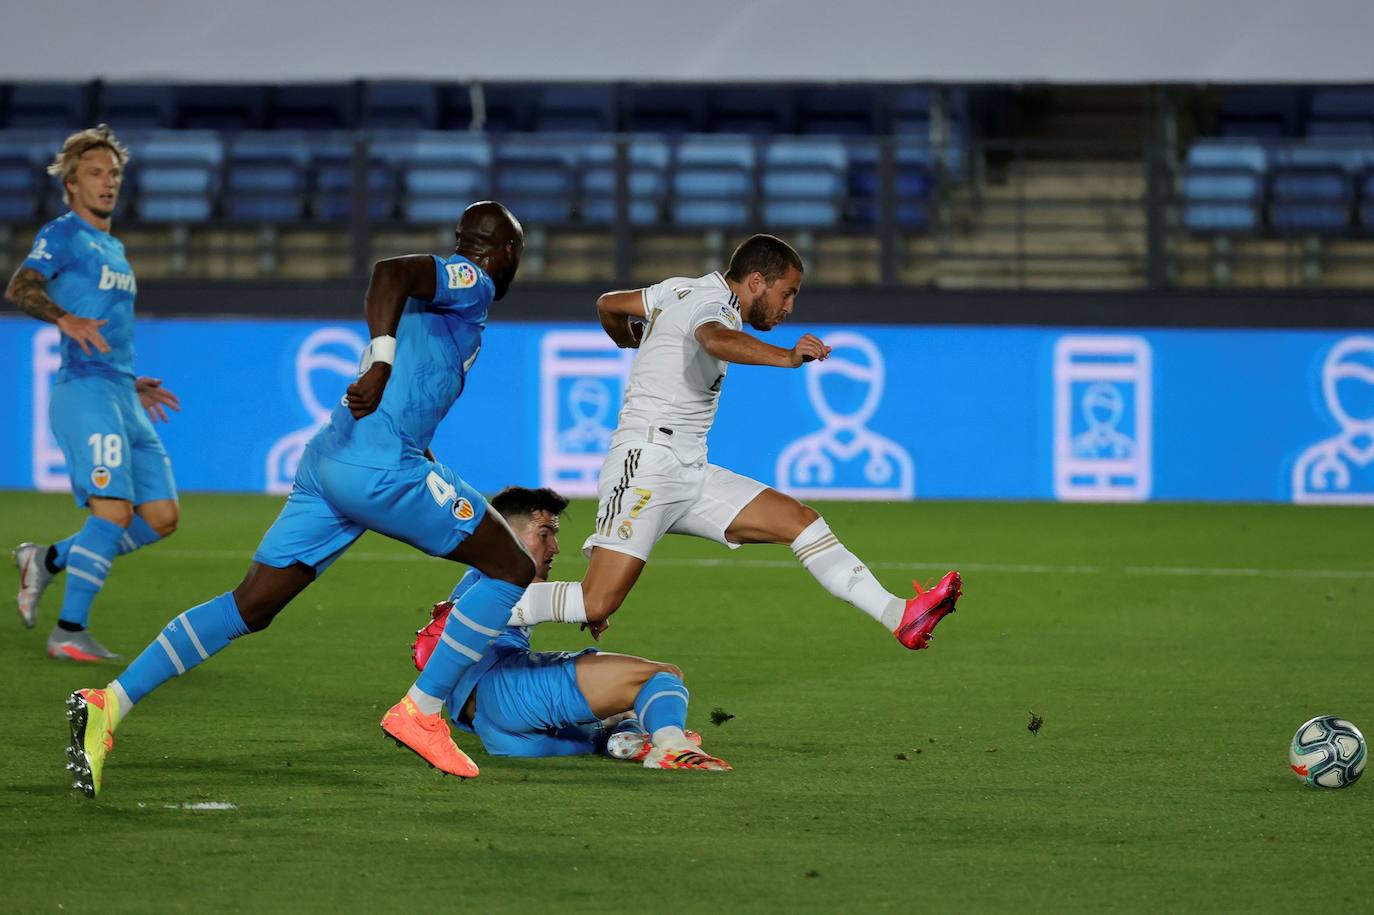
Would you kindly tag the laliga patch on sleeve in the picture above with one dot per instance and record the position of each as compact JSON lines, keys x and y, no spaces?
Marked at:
{"x":730,"y":315}
{"x":461,"y":276}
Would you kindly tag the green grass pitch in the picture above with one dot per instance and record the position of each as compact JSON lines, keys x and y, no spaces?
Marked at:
{"x":1172,"y":650}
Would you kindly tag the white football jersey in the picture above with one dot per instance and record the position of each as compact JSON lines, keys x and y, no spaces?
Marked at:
{"x":675,"y":384}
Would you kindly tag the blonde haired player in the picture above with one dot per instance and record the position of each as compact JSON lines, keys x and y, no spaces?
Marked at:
{"x":77,"y":278}
{"x":656,"y":480}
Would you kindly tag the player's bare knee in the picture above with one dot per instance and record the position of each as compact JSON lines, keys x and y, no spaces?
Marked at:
{"x":805,"y":518}
{"x":116,"y":511}
{"x":164,"y":521}
{"x":673,"y":669}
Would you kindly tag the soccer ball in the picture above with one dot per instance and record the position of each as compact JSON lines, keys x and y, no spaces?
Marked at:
{"x":1328,"y":752}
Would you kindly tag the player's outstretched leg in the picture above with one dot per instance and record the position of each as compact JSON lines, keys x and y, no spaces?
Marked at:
{"x":185,"y":642}
{"x":417,"y":722}
{"x":773,"y":517}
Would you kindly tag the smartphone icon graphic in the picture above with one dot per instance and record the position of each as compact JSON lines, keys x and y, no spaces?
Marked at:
{"x":1102,"y":419}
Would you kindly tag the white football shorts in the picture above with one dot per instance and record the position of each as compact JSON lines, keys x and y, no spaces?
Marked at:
{"x":645,"y":491}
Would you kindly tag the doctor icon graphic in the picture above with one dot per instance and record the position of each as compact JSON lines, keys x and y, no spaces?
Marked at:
{"x":845,"y":459}
{"x":1340,"y":470}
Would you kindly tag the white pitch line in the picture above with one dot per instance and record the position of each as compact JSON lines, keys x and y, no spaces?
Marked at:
{"x":1012,"y":568}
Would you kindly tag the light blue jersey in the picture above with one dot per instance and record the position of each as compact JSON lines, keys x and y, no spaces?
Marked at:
{"x":371,"y":474}
{"x":528,"y":702}
{"x":88,"y":275}
{"x":436,"y":344}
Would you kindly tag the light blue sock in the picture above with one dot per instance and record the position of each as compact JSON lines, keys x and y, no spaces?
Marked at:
{"x":477,"y":619}
{"x":183,"y":643}
{"x":138,"y":534}
{"x":662,"y":704}
{"x":88,"y":563}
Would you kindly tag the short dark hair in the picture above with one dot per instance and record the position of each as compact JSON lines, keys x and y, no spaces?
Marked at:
{"x":518,"y":502}
{"x":766,"y":254}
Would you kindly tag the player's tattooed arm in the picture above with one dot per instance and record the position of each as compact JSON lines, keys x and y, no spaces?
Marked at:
{"x":393,"y":281}
{"x":735,"y":346}
{"x":622,"y":317}
{"x":28,"y":290}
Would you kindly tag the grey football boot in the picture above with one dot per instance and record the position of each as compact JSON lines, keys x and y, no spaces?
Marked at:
{"x":30,"y":559}
{"x":77,"y":646}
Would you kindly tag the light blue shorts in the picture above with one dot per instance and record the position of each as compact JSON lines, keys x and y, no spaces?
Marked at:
{"x":111,"y":448}
{"x":528,"y":704}
{"x":331,"y":503}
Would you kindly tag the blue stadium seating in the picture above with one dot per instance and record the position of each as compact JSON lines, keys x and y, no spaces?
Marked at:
{"x":60,"y":106}
{"x":1367,"y":201}
{"x":331,"y":199}
{"x":575,"y":109}
{"x":323,"y":107}
{"x":266,"y":177}
{"x":178,"y":175}
{"x":1223,"y":187}
{"x":713,"y":181}
{"x":401,"y":106}
{"x":534,"y":176}
{"x":1309,"y":200}
{"x":663,"y":109}
{"x":221,"y":108}
{"x":128,"y":107}
{"x":839,"y":111}
{"x":750,"y":110}
{"x":440,"y":172}
{"x":18,"y":187}
{"x":1259,"y":113}
{"x":647,"y":158}
{"x":804,"y":182}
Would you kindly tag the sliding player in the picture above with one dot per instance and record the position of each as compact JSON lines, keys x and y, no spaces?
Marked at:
{"x":655,"y":479}
{"x":540,"y":703}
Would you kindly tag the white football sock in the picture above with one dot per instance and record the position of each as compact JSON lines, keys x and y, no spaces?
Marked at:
{"x":427,"y":704}
{"x":671,"y":737}
{"x":842,"y":574}
{"x":550,"y":602}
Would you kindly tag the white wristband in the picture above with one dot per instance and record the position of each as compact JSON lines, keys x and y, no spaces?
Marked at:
{"x":382,"y":349}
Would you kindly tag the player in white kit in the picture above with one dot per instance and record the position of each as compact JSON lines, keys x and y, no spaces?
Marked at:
{"x":656,"y":480}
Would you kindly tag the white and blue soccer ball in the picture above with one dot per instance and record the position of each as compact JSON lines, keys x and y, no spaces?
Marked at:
{"x":1328,"y":752}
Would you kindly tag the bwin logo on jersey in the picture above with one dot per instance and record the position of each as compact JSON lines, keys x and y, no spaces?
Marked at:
{"x":110,"y":279}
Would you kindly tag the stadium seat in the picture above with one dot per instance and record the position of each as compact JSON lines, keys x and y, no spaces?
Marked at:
{"x":440,"y":173}
{"x":913,"y":184}
{"x":751,"y":110}
{"x":663,"y":109}
{"x":60,"y":106}
{"x":306,"y":107}
{"x":1259,"y":113}
{"x":1341,"y":130}
{"x":331,"y":199}
{"x":534,"y":176}
{"x":1309,"y":200}
{"x":647,"y":158}
{"x":713,"y":181}
{"x":575,"y":109}
{"x":1366,"y":185}
{"x":507,"y":108}
{"x":178,"y":175}
{"x":19,"y":186}
{"x":400,"y":106}
{"x":220,"y":107}
{"x":1222,"y":187}
{"x":804,"y":182}
{"x":265,"y":177}
{"x":839,"y":111}
{"x":136,"y":107}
